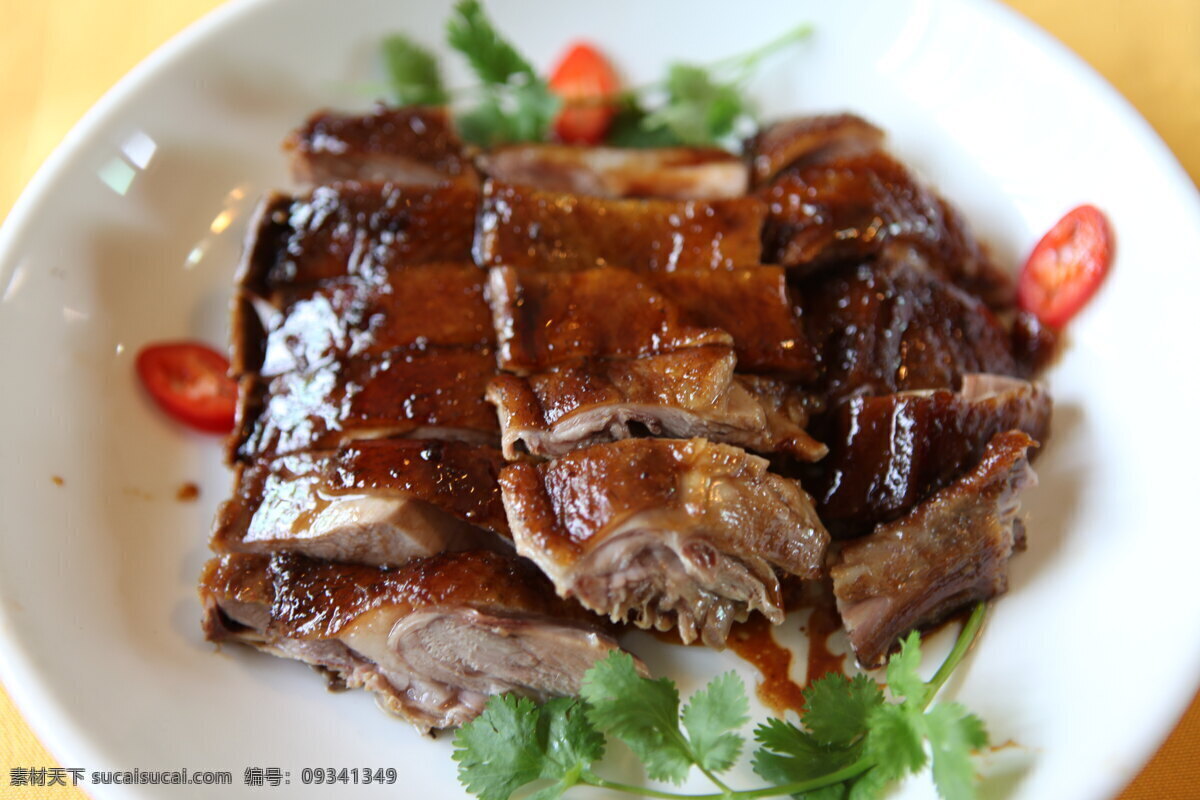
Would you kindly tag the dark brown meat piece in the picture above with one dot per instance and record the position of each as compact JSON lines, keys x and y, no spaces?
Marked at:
{"x":948,"y":552}
{"x":532,"y":229}
{"x":547,"y":319}
{"x":378,"y":501}
{"x":413,"y":145}
{"x":687,"y":394}
{"x":421,"y":305}
{"x":828,"y":211}
{"x":665,"y":533}
{"x":353,"y":230}
{"x":889,"y":452}
{"x":432,"y":639}
{"x":789,"y":141}
{"x":421,"y":393}
{"x":889,"y":327}
{"x":678,"y":173}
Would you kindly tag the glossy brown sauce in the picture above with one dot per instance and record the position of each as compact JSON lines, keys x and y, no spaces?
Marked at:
{"x":187,"y":492}
{"x":58,"y":481}
{"x":823,"y":623}
{"x":754,"y":642}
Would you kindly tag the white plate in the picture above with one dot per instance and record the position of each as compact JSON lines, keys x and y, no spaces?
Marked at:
{"x":129,"y":235}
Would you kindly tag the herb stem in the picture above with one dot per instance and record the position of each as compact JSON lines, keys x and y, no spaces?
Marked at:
{"x":746,"y":60}
{"x":966,"y":638}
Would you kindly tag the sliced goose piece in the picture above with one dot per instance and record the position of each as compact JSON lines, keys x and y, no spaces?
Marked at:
{"x":786,"y":142}
{"x":420,"y":393}
{"x":891,"y":326}
{"x":534,"y":229}
{"x":665,"y":533}
{"x":687,"y":394}
{"x":412,"y":145}
{"x":680,"y":173}
{"x":547,"y":319}
{"x":432,"y":639}
{"x":889,"y":452}
{"x":354,"y":230}
{"x":421,"y":305}
{"x":380,"y":501}
{"x":950,"y":551}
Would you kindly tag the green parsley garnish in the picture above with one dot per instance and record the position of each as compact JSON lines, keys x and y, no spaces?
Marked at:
{"x":852,"y":742}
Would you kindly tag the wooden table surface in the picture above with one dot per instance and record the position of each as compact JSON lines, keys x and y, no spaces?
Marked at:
{"x":58,"y":56}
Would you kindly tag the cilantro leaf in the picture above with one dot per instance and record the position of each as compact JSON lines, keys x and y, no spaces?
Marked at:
{"x":953,"y":734}
{"x":515,"y":742}
{"x":493,"y":59}
{"x":869,"y":786}
{"x":641,"y":712}
{"x":699,"y":109}
{"x":903,"y":680}
{"x":628,"y":128}
{"x":895,"y":741}
{"x":412,"y":72}
{"x":788,"y":754}
{"x":710,"y":719}
{"x":836,"y":708}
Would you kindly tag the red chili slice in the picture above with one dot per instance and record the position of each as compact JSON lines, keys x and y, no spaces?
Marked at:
{"x":586,"y":82}
{"x":1067,"y":266}
{"x":191,"y":382}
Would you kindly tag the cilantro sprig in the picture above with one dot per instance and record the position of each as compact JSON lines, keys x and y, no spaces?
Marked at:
{"x":693,"y":105}
{"x":852,"y":742}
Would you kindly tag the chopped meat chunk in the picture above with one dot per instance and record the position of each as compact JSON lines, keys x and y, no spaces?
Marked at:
{"x":432,"y":639}
{"x":687,"y":394}
{"x":353,"y":230}
{"x":665,"y":533}
{"x":422,"y":393}
{"x":420,"y":305}
{"x":680,"y":173}
{"x":786,"y":142}
{"x":891,"y":326}
{"x":887,"y":453}
{"x":413,"y":145}
{"x":379,"y":501}
{"x":547,"y":319}
{"x":533,"y":229}
{"x":950,"y":551}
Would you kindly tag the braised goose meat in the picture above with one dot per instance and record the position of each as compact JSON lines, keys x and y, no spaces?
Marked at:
{"x":679,"y":173}
{"x":432,"y":639}
{"x":420,"y":393}
{"x":421,"y":305}
{"x":415,"y":145}
{"x":687,"y":394}
{"x":891,"y":326}
{"x":791,"y":141}
{"x":379,"y":501}
{"x":533,"y":229}
{"x":352,"y":230}
{"x":950,"y":551}
{"x":886,"y":453}
{"x":665,"y":533}
{"x":547,"y":319}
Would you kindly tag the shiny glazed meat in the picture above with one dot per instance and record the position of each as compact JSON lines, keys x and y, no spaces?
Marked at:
{"x":665,"y":533}
{"x":792,"y":142}
{"x":432,"y":639}
{"x":532,"y":229}
{"x":413,"y":145}
{"x":687,"y":394}
{"x":950,"y":551}
{"x":354,"y":230}
{"x":891,"y":326}
{"x":418,"y":393}
{"x":888,"y":452}
{"x":418,"y":305}
{"x":378,"y":501}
